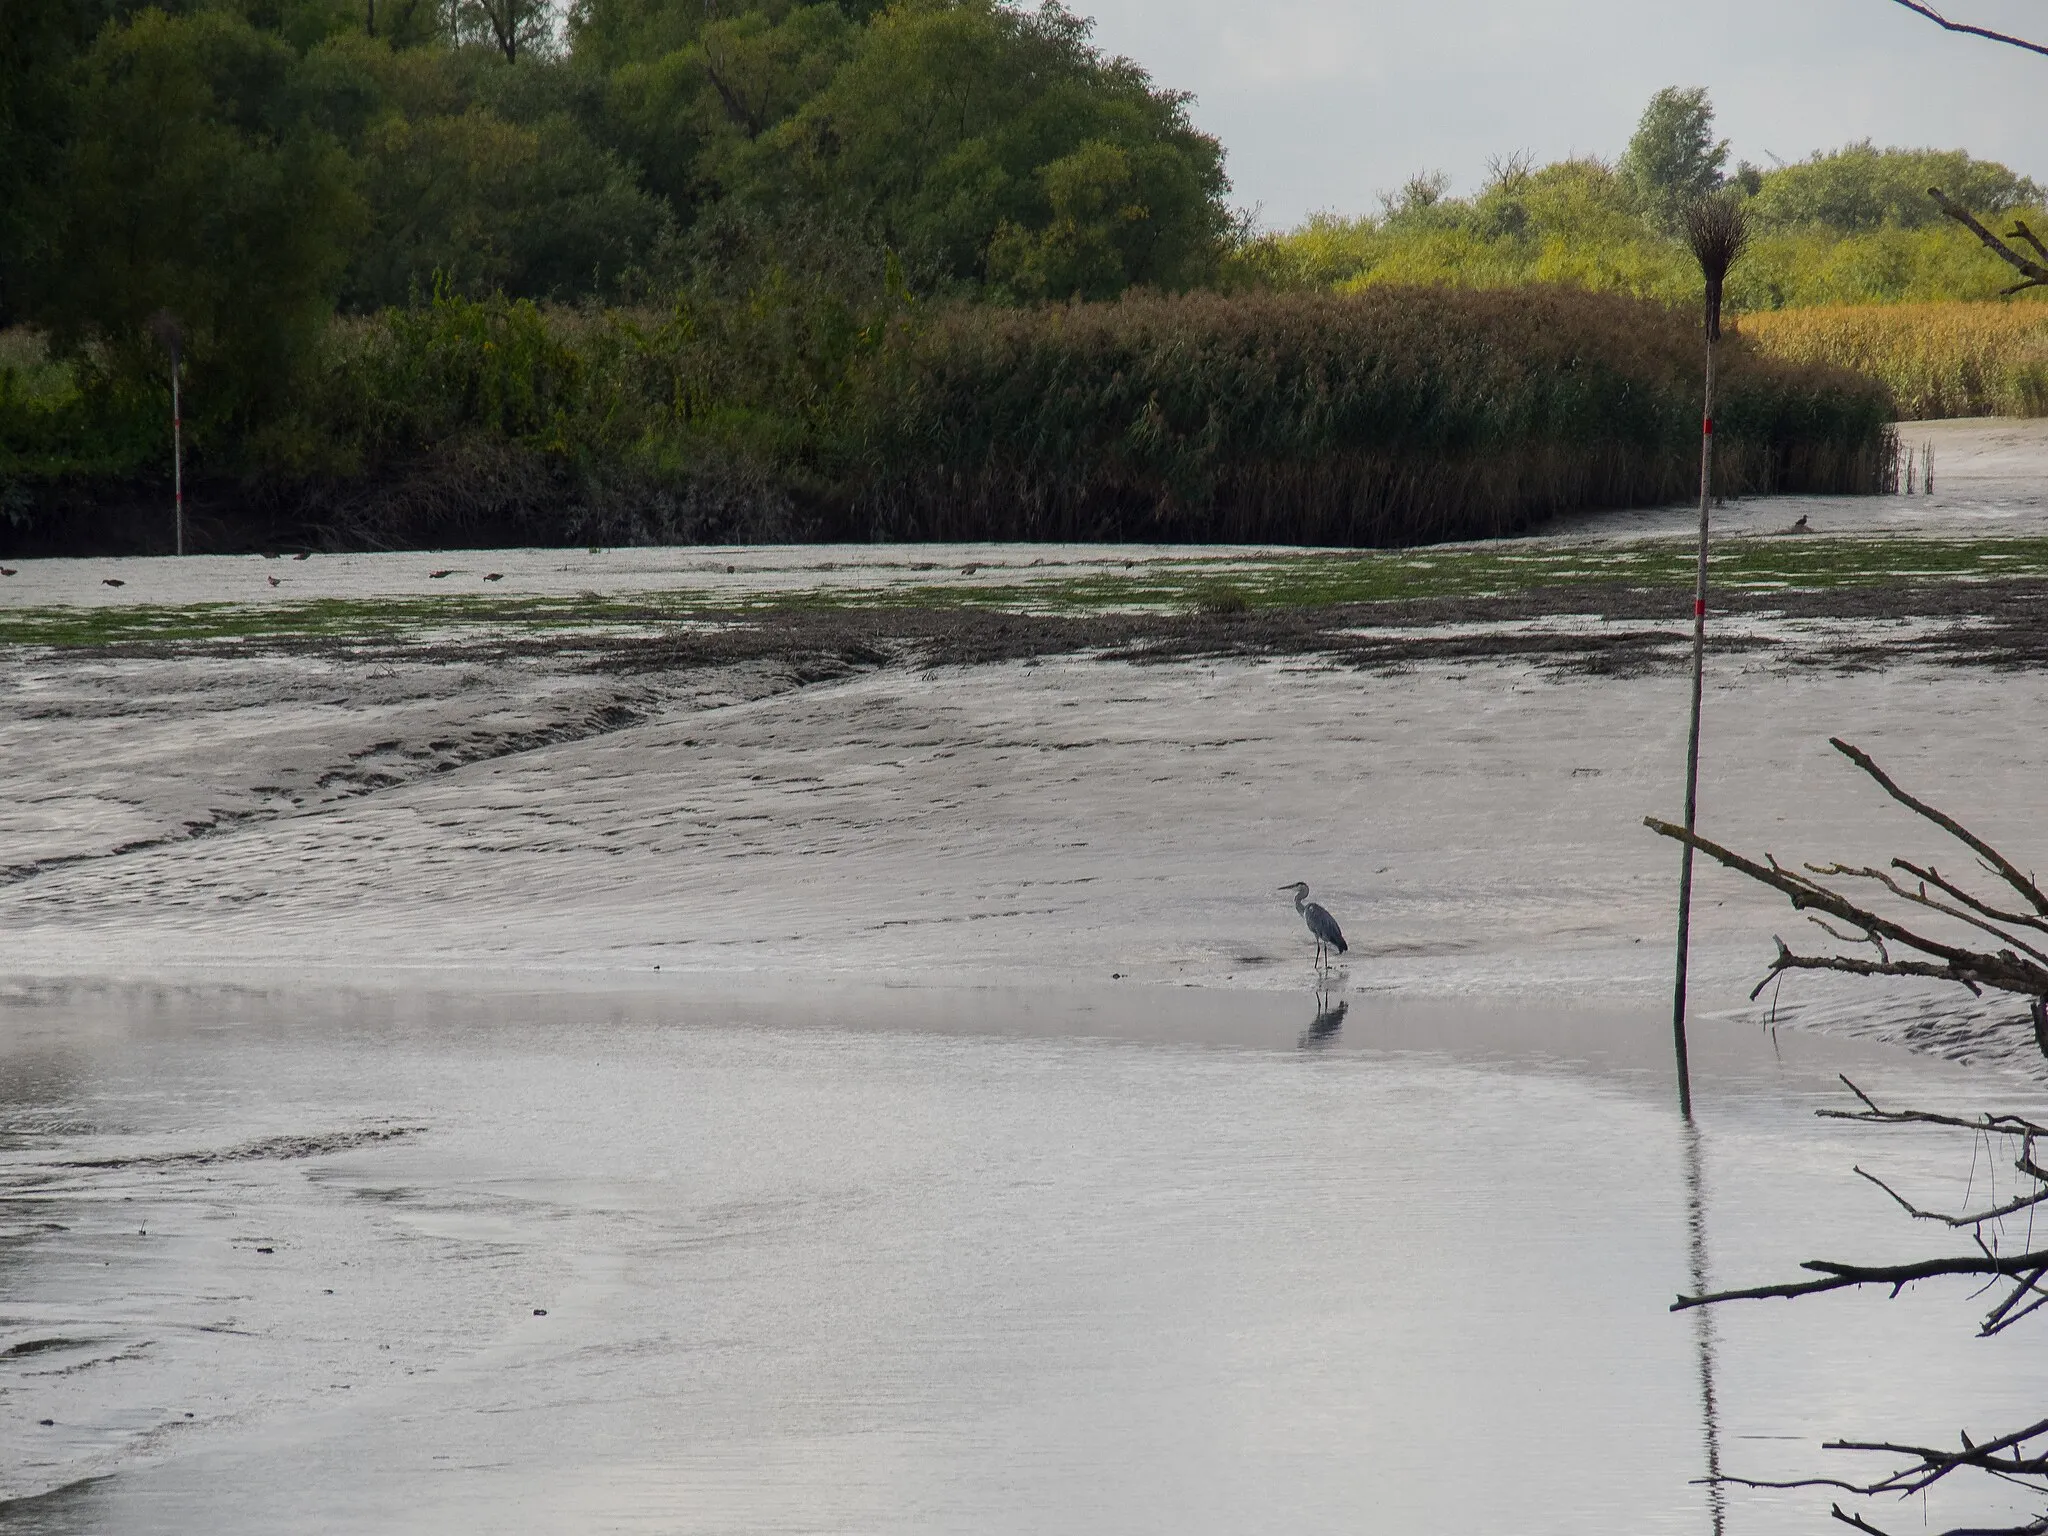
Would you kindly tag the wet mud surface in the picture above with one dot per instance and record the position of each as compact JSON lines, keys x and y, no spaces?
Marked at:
{"x":928,"y":1261}
{"x":1586,"y":628}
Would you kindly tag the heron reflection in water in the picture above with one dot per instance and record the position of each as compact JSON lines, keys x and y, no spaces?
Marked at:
{"x":1328,"y":1021}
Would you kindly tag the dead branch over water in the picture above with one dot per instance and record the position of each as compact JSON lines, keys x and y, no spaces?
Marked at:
{"x":2020,"y":1455}
{"x":1891,"y":911}
{"x":2018,"y":965}
{"x":2028,"y":1270}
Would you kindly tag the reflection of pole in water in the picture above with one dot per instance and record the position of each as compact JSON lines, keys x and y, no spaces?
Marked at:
{"x":1703,"y":1325}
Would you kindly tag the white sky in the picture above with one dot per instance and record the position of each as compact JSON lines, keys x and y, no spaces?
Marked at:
{"x":1322,"y":103}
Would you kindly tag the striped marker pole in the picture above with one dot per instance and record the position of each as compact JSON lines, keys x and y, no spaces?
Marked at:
{"x":178,"y":455}
{"x":1692,"y":740}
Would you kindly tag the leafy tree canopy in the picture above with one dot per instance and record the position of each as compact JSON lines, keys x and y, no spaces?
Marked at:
{"x":1860,"y":187}
{"x":200,"y":178}
{"x":1674,"y":156}
{"x":250,"y":165}
{"x":1848,"y":226}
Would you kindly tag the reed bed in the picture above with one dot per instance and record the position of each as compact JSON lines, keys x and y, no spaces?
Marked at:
{"x":1938,"y":360}
{"x":1388,"y":417}
{"x":1381,"y":418}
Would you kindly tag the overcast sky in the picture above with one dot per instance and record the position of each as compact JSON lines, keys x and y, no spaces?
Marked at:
{"x":1322,"y":103}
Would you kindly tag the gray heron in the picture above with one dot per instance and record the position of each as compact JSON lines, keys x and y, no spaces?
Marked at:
{"x":1328,"y":935}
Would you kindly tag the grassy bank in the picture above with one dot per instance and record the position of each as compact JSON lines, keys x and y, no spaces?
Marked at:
{"x":1938,"y":360}
{"x":1384,"y":418}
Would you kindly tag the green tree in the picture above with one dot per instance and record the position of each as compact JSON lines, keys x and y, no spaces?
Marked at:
{"x":687,"y":117}
{"x":40,"y":42}
{"x":198,"y":180}
{"x":516,"y":28}
{"x":608,"y":35}
{"x":480,"y":204}
{"x":999,"y":149}
{"x":1674,"y":156}
{"x":1860,"y":187}
{"x":1421,"y":202}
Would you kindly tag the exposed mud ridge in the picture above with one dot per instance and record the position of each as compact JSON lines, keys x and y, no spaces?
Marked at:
{"x":65,"y":1499}
{"x":382,"y":765}
{"x":269,"y":1149}
{"x":1993,"y":1030}
{"x":43,"y":1346}
{"x":1585,"y":628}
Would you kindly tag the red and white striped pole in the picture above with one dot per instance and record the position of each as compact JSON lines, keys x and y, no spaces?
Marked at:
{"x":1692,"y":741}
{"x":164,"y":325}
{"x":177,"y":451}
{"x":1717,"y":229}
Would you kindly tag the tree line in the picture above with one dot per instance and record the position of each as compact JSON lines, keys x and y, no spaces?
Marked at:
{"x":252,"y":167}
{"x":677,"y":268}
{"x":1852,"y":225}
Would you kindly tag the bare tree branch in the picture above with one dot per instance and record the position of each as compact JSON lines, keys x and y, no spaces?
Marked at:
{"x":2027,"y":1271}
{"x":2020,"y":231}
{"x":1998,"y":861}
{"x":1946,"y":25}
{"x":1930,"y":1464}
{"x":2017,"y":965}
{"x":1841,"y":1277}
{"x":1934,"y":878}
{"x":1872,"y":1114}
{"x":2004,"y":971}
{"x":1966,"y":1219}
{"x":2035,"y":274}
{"x":2031,"y":1528}
{"x":1920,"y":898}
{"x":1788,"y":961}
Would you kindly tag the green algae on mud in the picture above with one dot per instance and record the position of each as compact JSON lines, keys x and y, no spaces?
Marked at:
{"x":1750,"y":565}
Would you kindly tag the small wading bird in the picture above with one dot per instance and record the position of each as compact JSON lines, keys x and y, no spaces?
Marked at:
{"x":1328,"y":935}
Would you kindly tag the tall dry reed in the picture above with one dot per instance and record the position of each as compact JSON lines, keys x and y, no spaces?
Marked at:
{"x":1938,"y":360}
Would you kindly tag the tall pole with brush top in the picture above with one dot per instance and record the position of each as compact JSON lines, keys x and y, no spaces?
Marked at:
{"x":1717,"y":231}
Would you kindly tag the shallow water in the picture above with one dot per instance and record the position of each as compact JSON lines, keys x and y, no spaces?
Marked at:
{"x":920,"y":1262}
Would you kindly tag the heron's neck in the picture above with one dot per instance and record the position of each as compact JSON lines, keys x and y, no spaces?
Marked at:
{"x":1300,"y":900}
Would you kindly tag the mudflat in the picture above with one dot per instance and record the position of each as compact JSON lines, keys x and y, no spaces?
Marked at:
{"x":752,"y":1040}
{"x":1021,"y":764}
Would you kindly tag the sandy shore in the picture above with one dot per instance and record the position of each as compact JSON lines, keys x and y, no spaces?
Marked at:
{"x":1475,"y":822}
